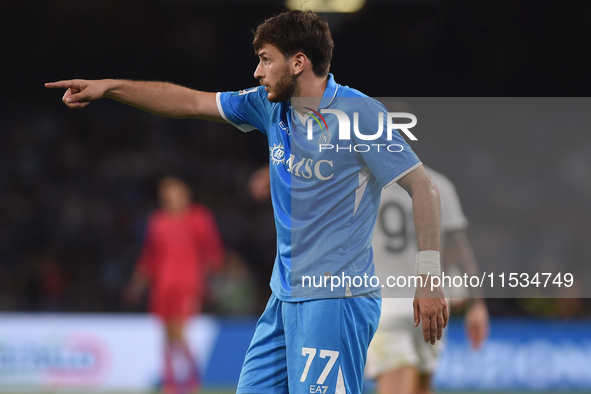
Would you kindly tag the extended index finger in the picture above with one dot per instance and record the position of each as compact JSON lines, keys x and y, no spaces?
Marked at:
{"x":60,"y":84}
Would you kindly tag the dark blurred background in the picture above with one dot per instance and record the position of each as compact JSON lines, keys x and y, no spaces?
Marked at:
{"x":76,"y":187}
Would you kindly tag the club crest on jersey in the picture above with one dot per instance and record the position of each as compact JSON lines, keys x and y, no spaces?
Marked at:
{"x":325,"y":137}
{"x":277,"y":153}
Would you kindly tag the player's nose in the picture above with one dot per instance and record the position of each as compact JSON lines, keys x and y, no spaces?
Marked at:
{"x":258,"y":74}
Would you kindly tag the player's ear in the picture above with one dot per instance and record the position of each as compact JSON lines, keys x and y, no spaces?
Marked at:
{"x":299,"y":62}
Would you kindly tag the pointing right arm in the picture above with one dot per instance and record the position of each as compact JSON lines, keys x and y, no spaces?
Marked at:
{"x":160,"y":98}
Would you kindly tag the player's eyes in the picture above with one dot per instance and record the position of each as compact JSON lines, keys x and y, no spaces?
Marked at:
{"x":264,"y":60}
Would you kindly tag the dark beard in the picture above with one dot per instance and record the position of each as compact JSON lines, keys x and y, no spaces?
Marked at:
{"x":285,"y":87}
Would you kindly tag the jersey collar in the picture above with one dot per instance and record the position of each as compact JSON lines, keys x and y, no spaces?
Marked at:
{"x":330,"y":92}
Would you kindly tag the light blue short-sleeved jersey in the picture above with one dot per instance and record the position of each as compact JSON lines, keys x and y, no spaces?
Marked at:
{"x":325,"y":199}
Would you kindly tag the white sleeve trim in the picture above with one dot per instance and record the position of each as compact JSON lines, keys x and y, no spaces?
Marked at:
{"x":245,"y":127}
{"x":404,"y":173}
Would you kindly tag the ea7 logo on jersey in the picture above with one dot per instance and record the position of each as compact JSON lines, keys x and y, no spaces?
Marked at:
{"x":284,"y":127}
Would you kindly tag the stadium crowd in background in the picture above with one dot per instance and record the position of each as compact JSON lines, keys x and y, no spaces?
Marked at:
{"x":74,"y":200}
{"x":74,"y":203}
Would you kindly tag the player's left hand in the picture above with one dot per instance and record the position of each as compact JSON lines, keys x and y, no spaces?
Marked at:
{"x":477,"y":324}
{"x":430,"y":305}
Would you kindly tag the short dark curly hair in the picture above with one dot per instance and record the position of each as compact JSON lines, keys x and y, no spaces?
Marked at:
{"x":298,"y":31}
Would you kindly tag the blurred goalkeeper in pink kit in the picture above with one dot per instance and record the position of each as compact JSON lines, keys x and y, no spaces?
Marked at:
{"x":182,"y":245}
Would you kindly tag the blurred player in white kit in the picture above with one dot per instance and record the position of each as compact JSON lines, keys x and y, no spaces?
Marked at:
{"x":399,"y":360}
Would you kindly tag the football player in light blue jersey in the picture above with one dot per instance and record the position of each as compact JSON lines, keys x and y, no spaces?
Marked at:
{"x":326,"y":183}
{"x":325,"y":195}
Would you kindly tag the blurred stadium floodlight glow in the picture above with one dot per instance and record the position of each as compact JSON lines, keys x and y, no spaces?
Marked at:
{"x":326,"y":5}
